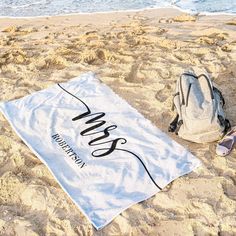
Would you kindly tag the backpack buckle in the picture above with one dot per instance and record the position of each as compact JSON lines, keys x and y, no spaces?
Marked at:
{"x":178,"y":126}
{"x":173,"y":124}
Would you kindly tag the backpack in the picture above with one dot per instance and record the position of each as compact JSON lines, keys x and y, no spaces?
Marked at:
{"x":200,"y":116}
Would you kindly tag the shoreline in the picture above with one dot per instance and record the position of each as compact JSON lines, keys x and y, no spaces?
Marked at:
{"x":104,"y":17}
{"x":204,"y":13}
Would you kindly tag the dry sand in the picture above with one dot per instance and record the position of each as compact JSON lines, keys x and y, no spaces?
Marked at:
{"x":139,"y":55}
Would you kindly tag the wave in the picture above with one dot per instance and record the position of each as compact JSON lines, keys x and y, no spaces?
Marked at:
{"x":22,"y":4}
{"x":207,"y":6}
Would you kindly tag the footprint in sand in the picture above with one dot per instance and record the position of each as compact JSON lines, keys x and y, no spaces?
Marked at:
{"x":184,"y":18}
{"x":165,"y":20}
{"x":133,"y":75}
{"x":232,"y":22}
{"x":11,"y":29}
{"x":230,"y":190}
{"x":161,"y":95}
{"x":19,"y":30}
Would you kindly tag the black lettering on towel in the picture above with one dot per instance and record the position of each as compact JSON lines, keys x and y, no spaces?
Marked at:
{"x":68,"y":150}
{"x":95,"y":123}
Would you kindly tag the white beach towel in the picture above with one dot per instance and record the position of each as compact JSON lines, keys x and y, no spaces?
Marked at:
{"x":104,"y":154}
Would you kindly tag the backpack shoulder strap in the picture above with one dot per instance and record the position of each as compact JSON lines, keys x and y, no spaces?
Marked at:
{"x":216,"y":90}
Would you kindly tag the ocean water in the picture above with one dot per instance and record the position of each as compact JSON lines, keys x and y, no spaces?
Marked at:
{"x":27,"y":8}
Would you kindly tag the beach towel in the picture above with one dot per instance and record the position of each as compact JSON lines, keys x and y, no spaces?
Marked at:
{"x":104,"y":154}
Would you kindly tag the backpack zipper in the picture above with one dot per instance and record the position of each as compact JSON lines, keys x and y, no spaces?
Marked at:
{"x":197,"y":77}
{"x":209,"y":84}
{"x":189,"y":87}
{"x":181,"y":90}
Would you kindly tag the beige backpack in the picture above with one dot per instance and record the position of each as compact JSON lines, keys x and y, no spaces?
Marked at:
{"x":199,"y":105}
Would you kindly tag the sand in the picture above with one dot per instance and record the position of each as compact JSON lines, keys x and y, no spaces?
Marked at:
{"x":139,"y":55}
